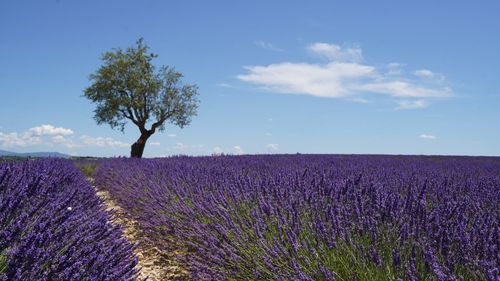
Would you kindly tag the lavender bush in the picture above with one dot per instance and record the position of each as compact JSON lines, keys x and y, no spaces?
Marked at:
{"x":53,"y":226}
{"x":317,"y":217}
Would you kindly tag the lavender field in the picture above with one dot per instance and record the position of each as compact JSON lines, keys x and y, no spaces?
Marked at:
{"x":314,"y":217}
{"x":249,"y":140}
{"x":53,"y":226}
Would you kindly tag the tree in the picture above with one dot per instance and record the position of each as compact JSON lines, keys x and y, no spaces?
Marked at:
{"x":127,"y":87}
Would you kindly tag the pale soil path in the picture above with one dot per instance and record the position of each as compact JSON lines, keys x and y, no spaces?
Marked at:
{"x":152,"y":263}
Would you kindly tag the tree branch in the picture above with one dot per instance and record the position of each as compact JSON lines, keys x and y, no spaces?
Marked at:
{"x":163,"y":118}
{"x":145,"y":112}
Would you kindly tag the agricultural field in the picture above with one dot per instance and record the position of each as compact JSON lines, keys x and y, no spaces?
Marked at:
{"x":268,"y":217}
{"x":308,"y":217}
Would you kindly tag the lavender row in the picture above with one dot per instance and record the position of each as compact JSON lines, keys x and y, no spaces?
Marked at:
{"x":53,"y":226}
{"x":313,"y":217}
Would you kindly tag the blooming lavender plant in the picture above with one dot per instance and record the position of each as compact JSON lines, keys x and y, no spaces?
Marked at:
{"x":53,"y":226}
{"x":317,"y":217}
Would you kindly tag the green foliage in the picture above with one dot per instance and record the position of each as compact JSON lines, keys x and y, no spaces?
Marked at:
{"x":128,"y":87}
{"x":3,"y":262}
{"x":345,"y":259}
{"x":87,"y":168}
{"x":11,"y":158}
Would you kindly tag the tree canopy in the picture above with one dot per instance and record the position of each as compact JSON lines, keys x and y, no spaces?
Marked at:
{"x":128,"y":87}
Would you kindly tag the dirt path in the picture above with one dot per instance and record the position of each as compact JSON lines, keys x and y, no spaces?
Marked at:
{"x":152,"y":264}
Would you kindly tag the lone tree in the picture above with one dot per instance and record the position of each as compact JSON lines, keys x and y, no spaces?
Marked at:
{"x":127,"y":87}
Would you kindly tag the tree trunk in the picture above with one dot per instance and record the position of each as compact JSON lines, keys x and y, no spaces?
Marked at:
{"x":138,"y":146}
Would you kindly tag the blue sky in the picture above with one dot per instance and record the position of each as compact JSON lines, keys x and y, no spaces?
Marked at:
{"x":389,"y":77}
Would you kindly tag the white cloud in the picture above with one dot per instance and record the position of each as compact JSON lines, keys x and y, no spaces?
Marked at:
{"x":218,"y":150}
{"x":182,"y":148}
{"x":427,"y":137}
{"x":238,"y":150}
{"x":344,"y":76}
{"x":360,"y":100}
{"x":394,"y":68}
{"x":329,"y":80}
{"x":412,"y":104}
{"x":154,"y":143}
{"x":15,"y":139}
{"x":49,"y":130}
{"x":61,"y":140}
{"x":272,"y":146}
{"x":404,"y":89}
{"x":334,"y":52}
{"x":424,"y":73}
{"x":172,"y":135}
{"x":33,"y":136}
{"x":87,"y":141}
{"x":102,"y":142}
{"x":50,"y":136}
{"x":268,"y":46}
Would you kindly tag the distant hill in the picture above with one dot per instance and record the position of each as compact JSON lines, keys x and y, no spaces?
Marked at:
{"x":4,"y":153}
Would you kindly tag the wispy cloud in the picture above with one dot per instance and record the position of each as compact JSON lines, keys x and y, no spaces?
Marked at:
{"x":272,"y":146}
{"x":154,"y":143}
{"x":394,"y":69}
{"x":238,"y":150}
{"x":345,"y":76}
{"x":359,"y":100}
{"x":268,"y":46}
{"x":424,"y":73}
{"x":427,"y":136}
{"x":235,"y":150}
{"x":102,"y":142}
{"x":404,"y":89}
{"x":188,"y":149}
{"x":171,"y":135}
{"x":412,"y":104}
{"x":225,"y":85}
{"x":65,"y":141}
{"x":217,"y":150}
{"x":334,"y":52}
